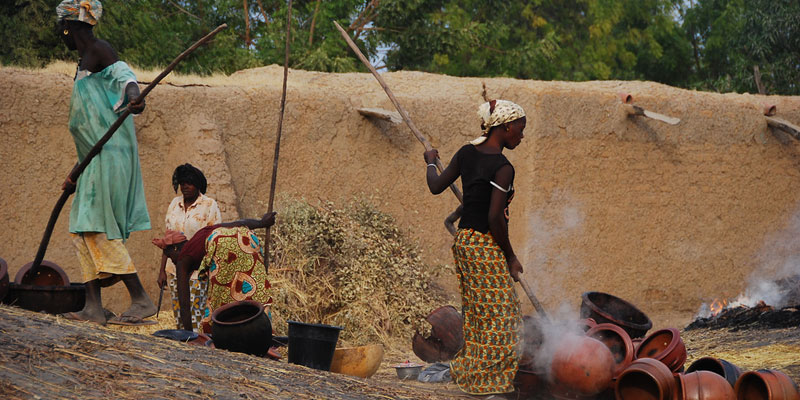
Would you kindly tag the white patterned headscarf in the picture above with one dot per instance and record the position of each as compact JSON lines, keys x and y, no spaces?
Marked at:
{"x":88,"y":11}
{"x":495,"y":113}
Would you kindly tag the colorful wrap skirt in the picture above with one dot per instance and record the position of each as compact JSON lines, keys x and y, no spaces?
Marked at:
{"x":489,"y":359}
{"x":235,"y":270}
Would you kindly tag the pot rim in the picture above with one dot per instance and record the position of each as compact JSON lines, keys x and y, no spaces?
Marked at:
{"x":233,"y":304}
{"x":633,"y":325}
{"x":673,"y":343}
{"x":630,"y":353}
{"x":315,"y":325}
{"x":45,"y":263}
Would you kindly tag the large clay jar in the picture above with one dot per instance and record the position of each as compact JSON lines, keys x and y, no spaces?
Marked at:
{"x":3,"y":279}
{"x":605,"y":308}
{"x":703,"y":385}
{"x":242,"y":327}
{"x":618,"y":341}
{"x":718,"y":366}
{"x":446,"y":339}
{"x":766,"y":384}
{"x":646,"y":379}
{"x":582,"y":365}
{"x":664,"y":345}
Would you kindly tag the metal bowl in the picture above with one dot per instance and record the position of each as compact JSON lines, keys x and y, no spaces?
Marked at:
{"x":50,"y":299}
{"x":408,"y":371}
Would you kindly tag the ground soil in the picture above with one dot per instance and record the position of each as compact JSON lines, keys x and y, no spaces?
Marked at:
{"x":49,"y":357}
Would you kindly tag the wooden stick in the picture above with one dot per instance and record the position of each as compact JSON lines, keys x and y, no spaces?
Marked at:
{"x":400,"y":109}
{"x":785,"y":126}
{"x":278,"y":135}
{"x":76,"y":172}
{"x":532,"y":297}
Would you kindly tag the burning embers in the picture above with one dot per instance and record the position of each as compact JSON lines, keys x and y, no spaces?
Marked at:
{"x":765,"y":304}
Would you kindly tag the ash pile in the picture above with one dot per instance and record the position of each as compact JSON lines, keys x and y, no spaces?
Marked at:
{"x":764,"y":305}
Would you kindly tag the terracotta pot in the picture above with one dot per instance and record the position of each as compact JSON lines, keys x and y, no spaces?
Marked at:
{"x":447,"y":336}
{"x":603,"y":307}
{"x":664,"y":345}
{"x":636,"y":343}
{"x":718,"y":366}
{"x":48,"y":274}
{"x":529,"y":384}
{"x":532,"y":339}
{"x":703,"y":385}
{"x":618,"y":341}
{"x":242,"y":327}
{"x":49,"y":299}
{"x":646,"y":379}
{"x":587,"y":323}
{"x":766,"y":384}
{"x":3,"y":279}
{"x":582,"y":365}
{"x":361,"y":361}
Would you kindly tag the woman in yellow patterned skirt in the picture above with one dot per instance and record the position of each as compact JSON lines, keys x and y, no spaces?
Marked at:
{"x":485,"y":262}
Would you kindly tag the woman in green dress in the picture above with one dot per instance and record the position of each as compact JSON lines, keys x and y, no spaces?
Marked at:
{"x":109,"y":200}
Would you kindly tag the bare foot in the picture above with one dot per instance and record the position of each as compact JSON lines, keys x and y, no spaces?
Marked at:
{"x":87,"y":314}
{"x":141,"y":309}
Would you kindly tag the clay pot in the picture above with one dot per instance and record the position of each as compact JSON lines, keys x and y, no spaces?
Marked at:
{"x":447,"y":336}
{"x":528,"y":384}
{"x":582,"y":365}
{"x":532,"y":339}
{"x":646,"y":379}
{"x":766,"y":384}
{"x":703,"y":385}
{"x":718,"y":366}
{"x":242,"y":327}
{"x":3,"y":279}
{"x":605,"y":308}
{"x":618,"y":341}
{"x":666,"y":346}
{"x":587,"y":323}
{"x":48,"y":274}
{"x":361,"y":361}
{"x":49,"y":299}
{"x":636,"y":343}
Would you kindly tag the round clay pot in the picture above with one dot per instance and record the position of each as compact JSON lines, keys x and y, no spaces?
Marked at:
{"x":603,"y":307}
{"x":582,"y":365}
{"x":766,"y":384}
{"x":718,"y":366}
{"x":636,"y":343}
{"x":646,"y":379}
{"x":447,"y":336}
{"x":242,"y":327}
{"x":48,"y":274}
{"x":587,"y":323}
{"x":703,"y":385}
{"x":3,"y":279}
{"x":618,"y":341}
{"x":528,"y":384}
{"x":664,"y":345}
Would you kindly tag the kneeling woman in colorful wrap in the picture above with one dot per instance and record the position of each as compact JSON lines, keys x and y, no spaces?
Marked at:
{"x":485,"y":262}
{"x":228,"y":255}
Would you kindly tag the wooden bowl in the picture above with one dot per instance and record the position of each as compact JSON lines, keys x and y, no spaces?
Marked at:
{"x":361,"y":361}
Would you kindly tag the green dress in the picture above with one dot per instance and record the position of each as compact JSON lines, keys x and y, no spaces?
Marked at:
{"x":110,"y":195}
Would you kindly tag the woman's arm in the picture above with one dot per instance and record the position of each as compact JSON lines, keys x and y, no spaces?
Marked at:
{"x":266,"y":221}
{"x":497,"y":220}
{"x":162,"y":271}
{"x":438,"y":183}
{"x":184,"y":270}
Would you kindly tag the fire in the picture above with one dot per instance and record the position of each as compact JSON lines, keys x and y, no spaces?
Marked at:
{"x":717,"y":306}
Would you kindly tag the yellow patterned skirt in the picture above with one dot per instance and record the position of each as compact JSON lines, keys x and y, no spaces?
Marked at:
{"x":492,"y":324}
{"x":235,"y":271}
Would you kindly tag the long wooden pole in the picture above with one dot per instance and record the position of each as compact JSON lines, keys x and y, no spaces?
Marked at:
{"x":76,"y":172}
{"x":278,"y":135}
{"x":400,"y":109}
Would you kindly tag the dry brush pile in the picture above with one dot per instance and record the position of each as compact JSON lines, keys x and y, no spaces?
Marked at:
{"x":349,"y":266}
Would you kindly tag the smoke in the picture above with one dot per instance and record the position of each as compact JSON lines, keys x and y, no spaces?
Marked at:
{"x":542,"y":256}
{"x":545,"y":336}
{"x":777,"y":259}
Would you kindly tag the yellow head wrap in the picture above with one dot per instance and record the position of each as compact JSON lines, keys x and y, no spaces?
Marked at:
{"x":495,"y":113}
{"x":88,"y":11}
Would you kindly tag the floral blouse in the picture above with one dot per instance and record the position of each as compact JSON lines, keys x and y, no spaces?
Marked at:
{"x":203,"y":212}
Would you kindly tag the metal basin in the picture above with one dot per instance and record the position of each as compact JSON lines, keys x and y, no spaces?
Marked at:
{"x":49,"y":299}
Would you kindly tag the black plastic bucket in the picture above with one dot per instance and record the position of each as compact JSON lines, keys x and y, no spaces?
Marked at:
{"x":312,"y":345}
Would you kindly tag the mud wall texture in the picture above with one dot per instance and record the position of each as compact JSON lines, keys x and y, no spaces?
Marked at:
{"x":665,"y":216}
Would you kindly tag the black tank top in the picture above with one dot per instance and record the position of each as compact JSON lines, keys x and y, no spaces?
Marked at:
{"x":477,"y":170}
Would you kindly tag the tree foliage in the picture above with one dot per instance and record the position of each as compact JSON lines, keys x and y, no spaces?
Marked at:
{"x":705,"y":44}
